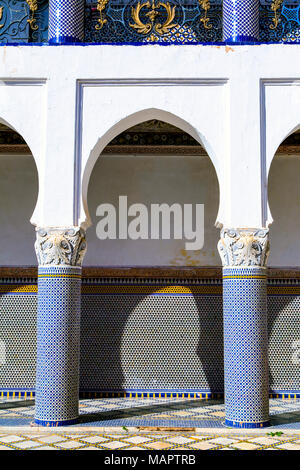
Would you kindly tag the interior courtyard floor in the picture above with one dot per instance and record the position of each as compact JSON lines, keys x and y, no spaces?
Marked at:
{"x":127,"y":439}
{"x":149,"y":424}
{"x":152,"y":412}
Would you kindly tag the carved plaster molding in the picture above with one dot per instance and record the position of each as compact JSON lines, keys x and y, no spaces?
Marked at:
{"x":244,"y":247}
{"x":57,"y":246}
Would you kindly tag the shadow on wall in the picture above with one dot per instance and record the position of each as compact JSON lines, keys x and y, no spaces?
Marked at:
{"x":151,"y":342}
{"x":283,"y":330}
{"x":173,"y":342}
{"x":146,"y":342}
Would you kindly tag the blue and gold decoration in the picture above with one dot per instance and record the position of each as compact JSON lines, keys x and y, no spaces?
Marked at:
{"x":240,"y":20}
{"x":140,"y":22}
{"x":66,"y":21}
{"x":153,"y":21}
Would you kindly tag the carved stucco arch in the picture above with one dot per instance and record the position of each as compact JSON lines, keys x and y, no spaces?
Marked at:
{"x":130,"y":121}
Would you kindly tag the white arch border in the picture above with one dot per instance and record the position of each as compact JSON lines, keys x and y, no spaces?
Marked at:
{"x":280,"y":118}
{"x":128,"y":122}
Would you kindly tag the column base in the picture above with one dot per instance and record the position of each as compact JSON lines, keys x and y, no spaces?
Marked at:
{"x":55,"y":424}
{"x":241,"y":425}
{"x":240,"y":38}
{"x":64,"y":40}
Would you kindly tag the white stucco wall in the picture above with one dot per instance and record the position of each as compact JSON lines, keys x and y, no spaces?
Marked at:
{"x":284,"y":201}
{"x":68,"y":102}
{"x":146,"y":179}
{"x":18,"y":196}
{"x":150,"y":180}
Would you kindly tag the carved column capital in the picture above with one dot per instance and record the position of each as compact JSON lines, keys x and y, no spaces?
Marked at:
{"x":244,"y":247}
{"x":60,"y":246}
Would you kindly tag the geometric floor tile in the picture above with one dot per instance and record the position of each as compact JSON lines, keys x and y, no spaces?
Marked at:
{"x":202,"y":446}
{"x":223,"y":441}
{"x":180,"y":440}
{"x":157,"y":412}
{"x":137,"y":440}
{"x":244,"y":446}
{"x":91,"y":448}
{"x":115,"y":445}
{"x":159,"y":445}
{"x":226,"y":448}
{"x":42,"y":448}
{"x":69,"y":445}
{"x":94,"y":439}
{"x":150,"y":440}
{"x":289,"y":446}
{"x":10,"y":439}
{"x":51,"y":439}
{"x":137,"y":448}
{"x":264,"y":441}
{"x":26,"y":444}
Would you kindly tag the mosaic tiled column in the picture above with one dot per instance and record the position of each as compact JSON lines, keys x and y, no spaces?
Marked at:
{"x":244,"y":254}
{"x":241,"y":20}
{"x":66,"y":21}
{"x":60,"y":253}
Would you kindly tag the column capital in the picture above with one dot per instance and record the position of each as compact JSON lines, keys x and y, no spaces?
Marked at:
{"x":244,"y":247}
{"x":60,"y":246}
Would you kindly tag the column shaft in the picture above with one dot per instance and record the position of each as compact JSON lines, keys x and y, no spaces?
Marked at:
{"x":246,"y":347}
{"x":240,"y":20}
{"x":58,"y":342}
{"x":244,"y":254}
{"x":66,"y":21}
{"x":60,"y":253}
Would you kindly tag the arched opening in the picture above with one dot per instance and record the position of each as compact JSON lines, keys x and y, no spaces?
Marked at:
{"x":158,"y":325}
{"x":18,"y":197}
{"x":284,"y":264}
{"x":153,"y":163}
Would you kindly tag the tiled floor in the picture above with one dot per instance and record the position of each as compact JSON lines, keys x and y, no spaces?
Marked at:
{"x":175,"y":412}
{"x":121,"y":414}
{"x":146,"y":441}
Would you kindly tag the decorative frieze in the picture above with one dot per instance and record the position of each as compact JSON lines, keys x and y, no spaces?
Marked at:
{"x":244,"y":247}
{"x":56,"y":246}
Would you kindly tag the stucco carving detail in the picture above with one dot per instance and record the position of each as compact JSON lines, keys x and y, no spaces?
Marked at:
{"x":244,"y":247}
{"x":55,"y":246}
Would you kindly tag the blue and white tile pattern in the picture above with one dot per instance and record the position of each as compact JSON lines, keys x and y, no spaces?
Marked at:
{"x":240,"y":20}
{"x":66,"y":21}
{"x":58,"y":343}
